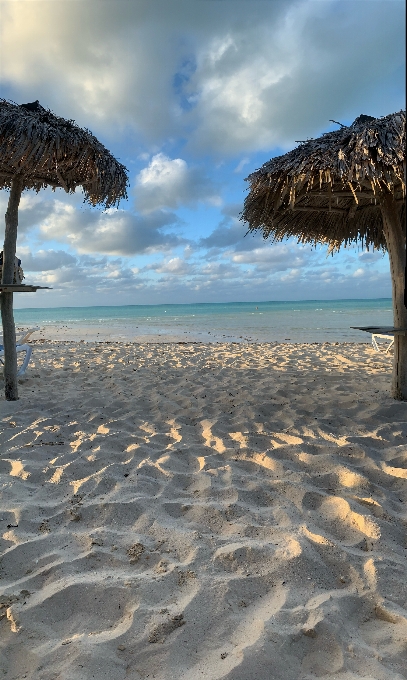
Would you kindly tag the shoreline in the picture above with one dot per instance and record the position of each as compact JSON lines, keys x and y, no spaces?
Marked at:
{"x":88,"y":334}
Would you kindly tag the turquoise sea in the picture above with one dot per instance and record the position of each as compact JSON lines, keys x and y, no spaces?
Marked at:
{"x":305,"y":321}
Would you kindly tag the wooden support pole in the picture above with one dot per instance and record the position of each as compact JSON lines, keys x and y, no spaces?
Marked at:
{"x":405,"y":270}
{"x":396,"y":247}
{"x":7,"y":318}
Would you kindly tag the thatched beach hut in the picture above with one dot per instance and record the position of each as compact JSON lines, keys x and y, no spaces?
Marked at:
{"x":345,"y":187}
{"x":39,"y":149}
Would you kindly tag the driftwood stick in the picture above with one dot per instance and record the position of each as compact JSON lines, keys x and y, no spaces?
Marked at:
{"x":9,"y":253}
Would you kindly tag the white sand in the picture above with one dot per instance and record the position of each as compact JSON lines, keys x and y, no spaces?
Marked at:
{"x":196,"y":511}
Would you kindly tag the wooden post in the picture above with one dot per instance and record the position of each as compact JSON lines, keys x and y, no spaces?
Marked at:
{"x":9,"y":253}
{"x":405,"y":271}
{"x":396,"y":247}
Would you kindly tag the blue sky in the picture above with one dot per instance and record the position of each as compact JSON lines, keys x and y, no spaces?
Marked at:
{"x":192,"y":96}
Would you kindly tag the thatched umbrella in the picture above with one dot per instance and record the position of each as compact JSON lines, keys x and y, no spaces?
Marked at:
{"x":345,"y":187}
{"x":39,"y":149}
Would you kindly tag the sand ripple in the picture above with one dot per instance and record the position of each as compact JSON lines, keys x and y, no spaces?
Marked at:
{"x":186,"y":511}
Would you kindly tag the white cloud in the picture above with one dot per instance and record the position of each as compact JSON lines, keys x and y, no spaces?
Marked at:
{"x":278,"y":253}
{"x":176,"y":86}
{"x":32,"y":209}
{"x":241,"y":165}
{"x":114,"y":232}
{"x":218,"y":271}
{"x":167,"y":183}
{"x":197,"y":280}
{"x":276,"y":80}
{"x":370,"y":256}
{"x":292,"y":275}
{"x":44,"y":260}
{"x":228,"y":76}
{"x":226,"y":234}
{"x":176,"y":266}
{"x":276,"y":257}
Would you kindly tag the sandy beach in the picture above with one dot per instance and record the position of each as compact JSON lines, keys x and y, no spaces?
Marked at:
{"x":187,"y":511}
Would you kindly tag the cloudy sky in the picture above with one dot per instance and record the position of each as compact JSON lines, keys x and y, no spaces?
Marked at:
{"x":192,"y":95}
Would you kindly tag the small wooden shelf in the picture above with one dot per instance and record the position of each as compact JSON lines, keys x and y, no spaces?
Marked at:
{"x":381,"y":330}
{"x":21,"y":288}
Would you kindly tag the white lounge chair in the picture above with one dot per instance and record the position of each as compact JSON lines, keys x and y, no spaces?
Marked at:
{"x":382,"y":346}
{"x":21,"y":346}
{"x":384,"y":333}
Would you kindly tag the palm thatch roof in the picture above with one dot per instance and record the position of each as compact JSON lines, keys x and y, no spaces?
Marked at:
{"x":47,"y":150}
{"x":327,"y":189}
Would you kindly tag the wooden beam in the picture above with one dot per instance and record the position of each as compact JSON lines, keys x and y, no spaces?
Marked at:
{"x":343,"y":194}
{"x":306,"y":208}
{"x":21,"y":288}
{"x":348,"y":194}
{"x":43,"y":180}
{"x":354,"y":208}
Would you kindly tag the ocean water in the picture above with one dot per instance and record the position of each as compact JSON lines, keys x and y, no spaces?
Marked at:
{"x":305,"y":321}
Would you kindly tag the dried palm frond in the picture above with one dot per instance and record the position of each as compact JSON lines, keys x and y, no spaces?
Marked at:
{"x":326,"y":190}
{"x":47,"y":150}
